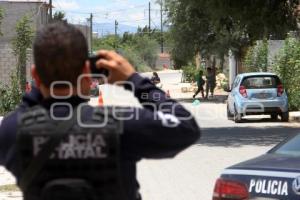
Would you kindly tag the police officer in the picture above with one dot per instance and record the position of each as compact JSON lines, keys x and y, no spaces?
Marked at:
{"x":161,"y":129}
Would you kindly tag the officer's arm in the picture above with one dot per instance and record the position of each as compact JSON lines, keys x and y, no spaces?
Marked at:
{"x":1,"y":145}
{"x":159,"y":129}
{"x":7,"y":138}
{"x":162,"y":129}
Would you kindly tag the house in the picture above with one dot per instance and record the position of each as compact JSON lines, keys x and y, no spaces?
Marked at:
{"x":14,"y":10}
{"x":164,"y":60}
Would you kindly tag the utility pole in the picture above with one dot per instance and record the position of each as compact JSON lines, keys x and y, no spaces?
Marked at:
{"x":161,"y":26}
{"x":149,"y":17}
{"x":116,"y":33}
{"x":116,"y":28}
{"x":50,"y":13}
{"x":91,"y":33}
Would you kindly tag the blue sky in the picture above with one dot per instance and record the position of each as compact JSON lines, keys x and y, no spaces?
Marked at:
{"x":129,"y":12}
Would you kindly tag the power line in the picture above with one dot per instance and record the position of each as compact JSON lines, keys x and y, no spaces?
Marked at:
{"x":104,"y":13}
{"x":58,"y":5}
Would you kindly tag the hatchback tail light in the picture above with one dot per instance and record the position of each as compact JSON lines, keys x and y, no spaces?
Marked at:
{"x":243,"y":91}
{"x":230,"y":190}
{"x":280,"y":90}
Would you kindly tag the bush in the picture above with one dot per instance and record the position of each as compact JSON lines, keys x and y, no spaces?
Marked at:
{"x":133,"y":58}
{"x":10,"y":95}
{"x":287,"y":65}
{"x":189,"y":73}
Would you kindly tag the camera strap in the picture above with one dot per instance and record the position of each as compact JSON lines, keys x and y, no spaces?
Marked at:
{"x":40,"y":160}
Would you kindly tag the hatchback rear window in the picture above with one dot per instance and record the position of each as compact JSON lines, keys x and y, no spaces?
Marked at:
{"x":258,"y":82}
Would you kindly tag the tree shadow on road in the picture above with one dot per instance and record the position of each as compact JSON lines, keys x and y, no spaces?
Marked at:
{"x":241,"y":136}
{"x":215,"y":99}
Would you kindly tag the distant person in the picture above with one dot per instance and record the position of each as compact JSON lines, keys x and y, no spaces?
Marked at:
{"x":210,"y":82}
{"x":200,"y":83}
{"x":155,"y":78}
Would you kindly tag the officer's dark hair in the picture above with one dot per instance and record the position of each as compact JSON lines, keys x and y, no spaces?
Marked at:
{"x":60,"y":52}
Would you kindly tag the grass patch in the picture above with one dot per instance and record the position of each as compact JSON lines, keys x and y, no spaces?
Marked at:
{"x":9,"y":188}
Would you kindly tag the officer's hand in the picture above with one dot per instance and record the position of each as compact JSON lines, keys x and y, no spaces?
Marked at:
{"x":119,"y":68}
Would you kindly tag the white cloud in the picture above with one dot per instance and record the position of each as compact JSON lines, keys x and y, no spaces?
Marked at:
{"x":66,"y":5}
{"x":129,"y":12}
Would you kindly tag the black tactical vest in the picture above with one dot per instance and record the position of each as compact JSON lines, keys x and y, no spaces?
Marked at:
{"x":84,"y":163}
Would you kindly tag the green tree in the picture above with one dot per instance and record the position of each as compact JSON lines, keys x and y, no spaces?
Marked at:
{"x":21,"y":42}
{"x":147,"y":50}
{"x":139,"y":48}
{"x":59,"y":16}
{"x":108,"y":42}
{"x":214,"y":26}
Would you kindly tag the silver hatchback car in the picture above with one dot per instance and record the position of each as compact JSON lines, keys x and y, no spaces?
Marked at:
{"x":256,"y":94}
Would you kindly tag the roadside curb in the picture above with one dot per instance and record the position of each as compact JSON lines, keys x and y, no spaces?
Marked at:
{"x":295,"y":116}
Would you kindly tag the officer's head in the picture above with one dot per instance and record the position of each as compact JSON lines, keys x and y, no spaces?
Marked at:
{"x":60,"y":54}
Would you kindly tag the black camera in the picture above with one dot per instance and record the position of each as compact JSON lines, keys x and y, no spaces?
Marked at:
{"x":94,"y":70}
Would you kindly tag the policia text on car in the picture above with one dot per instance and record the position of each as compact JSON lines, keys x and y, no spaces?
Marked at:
{"x":58,"y":159}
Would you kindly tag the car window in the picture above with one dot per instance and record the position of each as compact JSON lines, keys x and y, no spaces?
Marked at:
{"x":236,"y":82}
{"x":258,"y":82}
{"x":292,"y":147}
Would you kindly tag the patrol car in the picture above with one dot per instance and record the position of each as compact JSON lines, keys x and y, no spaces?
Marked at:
{"x":272,"y":176}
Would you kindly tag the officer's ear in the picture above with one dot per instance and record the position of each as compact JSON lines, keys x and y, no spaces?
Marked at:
{"x":35,"y":76}
{"x":86,"y":68}
{"x":87,"y":72}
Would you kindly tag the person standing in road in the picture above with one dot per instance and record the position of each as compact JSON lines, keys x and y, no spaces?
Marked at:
{"x":162,"y":128}
{"x":155,"y":78}
{"x":200,"y":82}
{"x":210,"y":82}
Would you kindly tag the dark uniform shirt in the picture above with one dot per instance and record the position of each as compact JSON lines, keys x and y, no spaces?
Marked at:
{"x":150,"y":135}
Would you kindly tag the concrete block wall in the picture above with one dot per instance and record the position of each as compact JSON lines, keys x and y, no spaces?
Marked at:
{"x":86,"y":32}
{"x":14,"y":11}
{"x":8,"y":62}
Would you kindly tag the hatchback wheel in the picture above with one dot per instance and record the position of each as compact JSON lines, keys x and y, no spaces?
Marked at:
{"x":229,"y":114}
{"x":274,"y":116}
{"x":237,"y":116}
{"x":285,"y":116}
